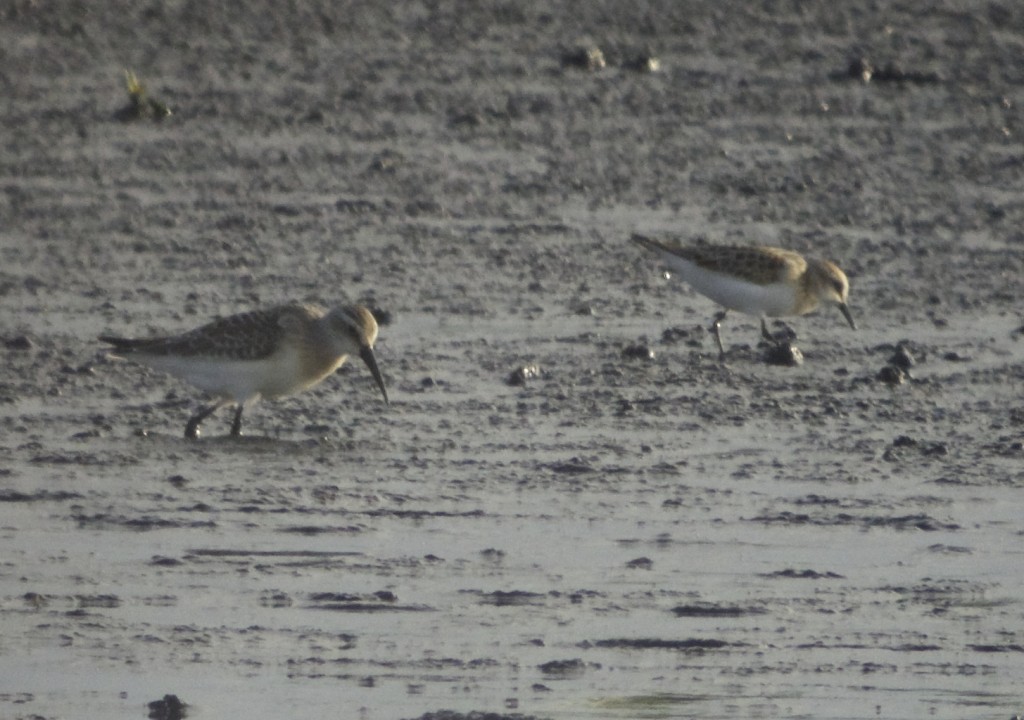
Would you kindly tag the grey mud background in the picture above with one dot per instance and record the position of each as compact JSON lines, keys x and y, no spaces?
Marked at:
{"x":625,"y":535}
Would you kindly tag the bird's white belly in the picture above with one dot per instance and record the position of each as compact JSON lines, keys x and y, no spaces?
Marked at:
{"x":733,"y":293}
{"x":241,"y":380}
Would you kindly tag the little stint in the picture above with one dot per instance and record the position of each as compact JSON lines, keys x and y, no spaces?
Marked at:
{"x":267,"y":353}
{"x":756,"y":280}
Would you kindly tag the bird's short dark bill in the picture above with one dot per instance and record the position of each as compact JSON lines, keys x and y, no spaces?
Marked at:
{"x":371,"y":362}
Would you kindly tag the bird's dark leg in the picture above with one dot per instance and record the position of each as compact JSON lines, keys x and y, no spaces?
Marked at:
{"x":236,"y":424}
{"x":192,"y":428}
{"x":716,"y":325}
{"x":764,"y":332}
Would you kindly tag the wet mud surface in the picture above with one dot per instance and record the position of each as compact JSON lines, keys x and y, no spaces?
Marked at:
{"x":571,"y":508}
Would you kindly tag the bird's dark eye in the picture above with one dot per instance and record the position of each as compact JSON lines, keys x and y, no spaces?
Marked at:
{"x":837,"y":286}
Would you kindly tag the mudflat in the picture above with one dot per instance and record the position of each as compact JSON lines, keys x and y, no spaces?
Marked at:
{"x":571,"y":508}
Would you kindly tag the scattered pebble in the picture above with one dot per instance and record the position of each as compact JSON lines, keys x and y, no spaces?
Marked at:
{"x":891,"y":375}
{"x":643,"y":63}
{"x":585,"y":56}
{"x":785,"y":354}
{"x":19,"y":342}
{"x":902,"y":358}
{"x":863,"y":69}
{"x":522,"y":375}
{"x":168,"y":708}
{"x":638,"y":351}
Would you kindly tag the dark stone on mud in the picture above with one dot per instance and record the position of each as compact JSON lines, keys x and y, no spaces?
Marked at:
{"x":34,"y":600}
{"x":902,"y":358}
{"x":574,"y":666}
{"x":521,"y":375}
{"x":585,"y":56}
{"x":643,"y":63}
{"x":858,"y":69}
{"x":891,"y":375}
{"x":178,"y":481}
{"x":19,"y":342}
{"x":785,"y":354}
{"x":168,"y":708}
{"x":864,"y":70}
{"x":640,"y":563}
{"x":638,"y":351}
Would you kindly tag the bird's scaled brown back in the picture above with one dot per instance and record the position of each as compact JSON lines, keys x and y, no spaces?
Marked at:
{"x":251,"y":335}
{"x":758,"y":264}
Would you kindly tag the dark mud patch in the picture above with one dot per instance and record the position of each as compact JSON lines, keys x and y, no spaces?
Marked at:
{"x":380,"y":601}
{"x":561,"y":669}
{"x":808,"y":574}
{"x":141,"y":524}
{"x":14,"y":496}
{"x":503,"y":598}
{"x":315,"y":530}
{"x":689,"y":645}
{"x":711,"y":610}
{"x":917,"y":521}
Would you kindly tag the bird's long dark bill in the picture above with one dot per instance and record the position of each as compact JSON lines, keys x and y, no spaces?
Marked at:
{"x":371,"y":362}
{"x":846,"y":314}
